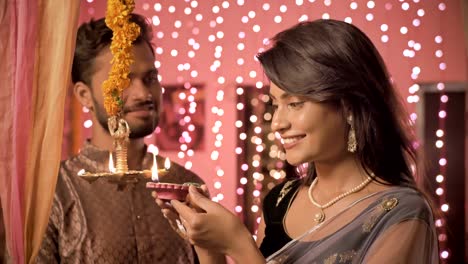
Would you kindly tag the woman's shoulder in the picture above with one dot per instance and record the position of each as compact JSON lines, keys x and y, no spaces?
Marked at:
{"x":407,"y":197}
{"x":280,"y":194}
{"x":404,"y":203}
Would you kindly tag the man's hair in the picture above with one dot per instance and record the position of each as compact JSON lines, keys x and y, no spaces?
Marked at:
{"x":93,"y":37}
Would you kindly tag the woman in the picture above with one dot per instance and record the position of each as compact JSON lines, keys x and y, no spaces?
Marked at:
{"x":336,"y":109}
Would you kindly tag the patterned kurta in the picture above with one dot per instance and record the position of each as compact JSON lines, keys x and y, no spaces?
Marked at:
{"x":96,"y":223}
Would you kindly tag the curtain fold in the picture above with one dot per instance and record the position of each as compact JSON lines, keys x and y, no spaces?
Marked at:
{"x":37,"y":39}
{"x":17,"y":51}
{"x":56,"y":33}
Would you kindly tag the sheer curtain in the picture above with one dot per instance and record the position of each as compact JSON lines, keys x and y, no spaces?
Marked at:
{"x":36,"y":47}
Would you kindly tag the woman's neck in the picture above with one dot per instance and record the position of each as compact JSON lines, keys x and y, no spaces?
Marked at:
{"x":339,"y":177}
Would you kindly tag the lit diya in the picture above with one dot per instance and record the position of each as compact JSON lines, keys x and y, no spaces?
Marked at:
{"x":166,"y":190}
{"x":171,"y":191}
{"x":122,"y":177}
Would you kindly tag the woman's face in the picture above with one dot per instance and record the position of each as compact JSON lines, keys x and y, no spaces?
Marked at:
{"x":310,"y":132}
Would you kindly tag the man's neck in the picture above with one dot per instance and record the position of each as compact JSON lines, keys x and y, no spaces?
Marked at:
{"x":135,"y":148}
{"x":135,"y":153}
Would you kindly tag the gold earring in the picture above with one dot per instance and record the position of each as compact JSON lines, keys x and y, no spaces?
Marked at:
{"x":352,"y":143}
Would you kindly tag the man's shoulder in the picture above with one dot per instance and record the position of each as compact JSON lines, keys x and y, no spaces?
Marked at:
{"x":65,"y":190}
{"x":67,"y":169}
{"x":181,"y":174}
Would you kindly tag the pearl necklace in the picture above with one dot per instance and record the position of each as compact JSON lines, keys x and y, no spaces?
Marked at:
{"x":320,"y":216}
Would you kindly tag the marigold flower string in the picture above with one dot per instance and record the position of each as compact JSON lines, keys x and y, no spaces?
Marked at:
{"x":124,"y":33}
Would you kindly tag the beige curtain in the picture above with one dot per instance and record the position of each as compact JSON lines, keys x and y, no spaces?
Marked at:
{"x":56,"y":32}
{"x":36,"y":49}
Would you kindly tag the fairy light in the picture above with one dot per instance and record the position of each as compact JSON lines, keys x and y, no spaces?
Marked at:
{"x":410,"y":52}
{"x":88,"y":123}
{"x":439,"y":143}
{"x":241,"y":144}
{"x":257,"y":142}
{"x":217,"y":109}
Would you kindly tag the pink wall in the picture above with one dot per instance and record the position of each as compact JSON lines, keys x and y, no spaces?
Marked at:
{"x":446,"y":23}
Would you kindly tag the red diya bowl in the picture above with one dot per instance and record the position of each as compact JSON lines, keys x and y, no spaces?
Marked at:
{"x":170,"y":191}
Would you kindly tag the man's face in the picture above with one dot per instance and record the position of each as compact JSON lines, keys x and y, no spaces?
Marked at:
{"x":142,"y":99}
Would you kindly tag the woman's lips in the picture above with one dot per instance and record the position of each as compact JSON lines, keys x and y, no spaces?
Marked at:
{"x":291,"y":142}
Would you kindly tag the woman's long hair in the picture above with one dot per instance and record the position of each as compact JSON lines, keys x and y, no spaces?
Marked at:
{"x":334,"y":62}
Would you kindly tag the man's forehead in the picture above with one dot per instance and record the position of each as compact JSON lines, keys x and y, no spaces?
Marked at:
{"x":140,"y":63}
{"x":138,"y":67}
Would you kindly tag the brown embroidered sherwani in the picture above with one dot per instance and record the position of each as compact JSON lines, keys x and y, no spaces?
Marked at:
{"x":95,"y":223}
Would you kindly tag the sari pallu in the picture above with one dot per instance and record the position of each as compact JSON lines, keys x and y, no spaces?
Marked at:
{"x":391,"y":226}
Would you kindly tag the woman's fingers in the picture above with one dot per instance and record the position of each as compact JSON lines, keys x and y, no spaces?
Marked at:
{"x":182,"y":209}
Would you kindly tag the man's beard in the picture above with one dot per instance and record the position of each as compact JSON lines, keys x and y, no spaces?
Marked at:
{"x":135,"y":131}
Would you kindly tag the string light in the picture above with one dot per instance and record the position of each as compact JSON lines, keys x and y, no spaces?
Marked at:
{"x":439,"y":143}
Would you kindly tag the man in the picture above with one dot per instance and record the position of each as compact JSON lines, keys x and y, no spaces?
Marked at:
{"x":93,"y":222}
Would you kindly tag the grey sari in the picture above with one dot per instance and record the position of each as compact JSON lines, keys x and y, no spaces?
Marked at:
{"x":392,"y":226}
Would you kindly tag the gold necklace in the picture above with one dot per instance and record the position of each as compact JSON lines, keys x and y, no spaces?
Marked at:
{"x":320,"y":216}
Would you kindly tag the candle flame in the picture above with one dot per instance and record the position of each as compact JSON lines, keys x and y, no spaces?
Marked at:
{"x":154,"y":170}
{"x":167,"y":164}
{"x":111,"y":163}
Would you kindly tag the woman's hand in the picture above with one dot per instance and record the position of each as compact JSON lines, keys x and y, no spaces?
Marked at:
{"x":171,"y":215}
{"x":213,"y":227}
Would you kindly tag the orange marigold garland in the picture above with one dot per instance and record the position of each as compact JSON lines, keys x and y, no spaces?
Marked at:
{"x":124,"y":33}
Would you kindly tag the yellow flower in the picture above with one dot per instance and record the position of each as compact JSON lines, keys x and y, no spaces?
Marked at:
{"x":124,"y":33}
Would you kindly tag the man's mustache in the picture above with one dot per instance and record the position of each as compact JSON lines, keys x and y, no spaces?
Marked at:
{"x":140,"y":106}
